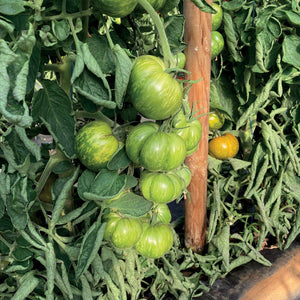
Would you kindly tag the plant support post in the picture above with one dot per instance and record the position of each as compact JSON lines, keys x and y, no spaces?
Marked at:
{"x":198,"y":63}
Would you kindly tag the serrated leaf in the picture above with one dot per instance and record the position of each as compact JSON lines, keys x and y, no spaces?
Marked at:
{"x":53,"y":107}
{"x":123,"y":71}
{"x":90,"y":246}
{"x":290,"y":48}
{"x":132,"y":205}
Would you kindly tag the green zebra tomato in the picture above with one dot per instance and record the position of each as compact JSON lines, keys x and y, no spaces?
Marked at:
{"x":123,"y":232}
{"x":162,"y":152}
{"x":160,"y":187}
{"x":153,"y":92}
{"x":217,"y":17}
{"x":155,"y":241}
{"x":216,"y":120}
{"x":114,"y":8}
{"x":185,"y":174}
{"x":95,"y":145}
{"x":163,"y":214}
{"x":217,"y":43}
{"x":189,"y":130}
{"x":156,"y":4}
{"x":180,"y":60}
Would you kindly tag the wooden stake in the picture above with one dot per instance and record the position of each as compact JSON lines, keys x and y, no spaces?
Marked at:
{"x":198,"y":63}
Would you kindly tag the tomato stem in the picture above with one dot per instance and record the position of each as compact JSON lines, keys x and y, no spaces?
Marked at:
{"x":168,"y":57}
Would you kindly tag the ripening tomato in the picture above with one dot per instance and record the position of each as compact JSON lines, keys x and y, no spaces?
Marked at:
{"x":223,"y":147}
{"x":216,"y":119}
{"x":155,"y":241}
{"x":160,"y":187}
{"x":123,"y":232}
{"x":95,"y":145}
{"x":153,"y":92}
{"x":217,"y":43}
{"x":217,"y":17}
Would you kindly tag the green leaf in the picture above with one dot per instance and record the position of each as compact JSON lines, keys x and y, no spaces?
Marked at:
{"x":8,"y":7}
{"x":132,"y":205}
{"x":27,"y":284}
{"x":22,"y":254}
{"x":170,"y":4}
{"x":61,"y":29}
{"x":238,"y":164}
{"x":17,"y":203}
{"x":53,"y":107}
{"x":123,"y":71}
{"x":90,"y":246}
{"x":293,"y":17}
{"x":291,"y":50}
{"x":119,"y":160}
{"x":89,"y":86}
{"x":106,"y":185}
{"x":204,"y":6}
{"x":233,"y":5}
{"x":85,"y":183}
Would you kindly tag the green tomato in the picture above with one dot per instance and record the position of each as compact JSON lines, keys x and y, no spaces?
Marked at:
{"x":136,"y":139}
{"x":160,"y":187}
{"x":115,"y":8}
{"x":189,"y":130}
{"x":180,"y":60}
{"x":95,"y":145}
{"x":216,"y":120}
{"x":153,"y":92}
{"x":155,"y":241}
{"x":162,"y":152}
{"x":163,"y":214}
{"x":156,"y":4}
{"x":185,"y":174}
{"x":217,"y":17}
{"x":217,"y":44}
{"x":123,"y":232}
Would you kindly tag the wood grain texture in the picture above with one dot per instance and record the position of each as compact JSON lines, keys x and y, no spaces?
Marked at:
{"x":198,"y":63}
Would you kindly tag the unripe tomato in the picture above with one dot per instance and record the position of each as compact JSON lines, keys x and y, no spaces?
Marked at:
{"x":123,"y":232}
{"x":156,"y":4}
{"x":155,"y":241}
{"x":189,"y":130}
{"x":223,"y":147}
{"x":115,"y":8}
{"x":217,"y":43}
{"x":162,"y":152}
{"x":136,"y":139}
{"x":95,"y":145}
{"x":163,"y":214}
{"x":153,"y":92}
{"x":160,"y":187}
{"x":216,"y":120}
{"x":217,"y":17}
{"x":180,"y":60}
{"x":185,"y":175}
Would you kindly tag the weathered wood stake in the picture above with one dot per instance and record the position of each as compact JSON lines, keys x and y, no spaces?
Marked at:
{"x":198,"y":63}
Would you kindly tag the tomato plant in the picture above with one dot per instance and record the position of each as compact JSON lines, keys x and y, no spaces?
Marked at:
{"x":160,"y":187}
{"x":216,"y":119}
{"x":217,"y":43}
{"x":95,"y":145}
{"x":162,"y":213}
{"x":155,"y":241}
{"x":223,"y":147}
{"x":153,"y":92}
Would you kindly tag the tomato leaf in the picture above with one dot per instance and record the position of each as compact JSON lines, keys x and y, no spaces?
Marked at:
{"x":53,"y":107}
{"x":123,"y":71}
{"x":290,"y":48}
{"x":204,"y":6}
{"x":90,"y":246}
{"x":85,"y":183}
{"x":8,"y":7}
{"x":119,"y":160}
{"x":132,"y":205}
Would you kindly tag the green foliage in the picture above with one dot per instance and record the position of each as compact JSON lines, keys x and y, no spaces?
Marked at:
{"x":62,"y":65}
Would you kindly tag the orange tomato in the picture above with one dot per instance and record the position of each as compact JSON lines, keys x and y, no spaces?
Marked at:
{"x":223,"y":147}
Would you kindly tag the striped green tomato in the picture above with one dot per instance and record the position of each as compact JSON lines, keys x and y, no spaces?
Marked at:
{"x":95,"y":145}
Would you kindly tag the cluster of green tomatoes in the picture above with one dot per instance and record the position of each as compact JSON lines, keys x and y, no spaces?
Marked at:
{"x":157,"y":147}
{"x":217,"y":40}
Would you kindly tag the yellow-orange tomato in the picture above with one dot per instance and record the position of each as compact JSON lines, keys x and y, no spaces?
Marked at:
{"x":223,"y":147}
{"x":216,"y":120}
